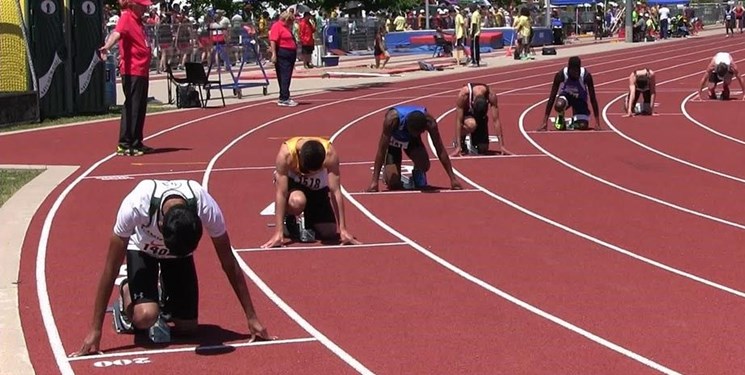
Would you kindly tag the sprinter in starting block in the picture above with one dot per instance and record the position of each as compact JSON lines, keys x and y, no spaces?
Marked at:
{"x":403,"y":127}
{"x":157,"y":230}
{"x":308,"y":197}
{"x":642,"y":84}
{"x":574,"y":85}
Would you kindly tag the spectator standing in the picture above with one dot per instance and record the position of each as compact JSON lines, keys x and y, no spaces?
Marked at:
{"x":460,"y":36}
{"x":475,"y":35}
{"x":307,"y":39}
{"x":664,"y":22}
{"x":134,"y":65}
{"x":284,"y":55}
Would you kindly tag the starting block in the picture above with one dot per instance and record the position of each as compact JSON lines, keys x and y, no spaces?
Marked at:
{"x":295,"y":229}
{"x":121,"y":323}
{"x":471,"y":148}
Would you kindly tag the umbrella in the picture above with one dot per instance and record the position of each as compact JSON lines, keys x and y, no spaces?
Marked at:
{"x":300,"y":8}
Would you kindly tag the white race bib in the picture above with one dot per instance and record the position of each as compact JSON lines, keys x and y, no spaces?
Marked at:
{"x":400,"y":144}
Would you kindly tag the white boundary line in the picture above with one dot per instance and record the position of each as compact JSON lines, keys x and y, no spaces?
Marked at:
{"x":320,"y":247}
{"x":45,"y":307}
{"x":696,"y":122}
{"x":251,"y":274}
{"x":399,"y":192}
{"x":612,"y":184}
{"x":661,"y":153}
{"x":460,"y":272}
{"x":127,"y":176}
{"x":191,"y":348}
{"x":55,"y":342}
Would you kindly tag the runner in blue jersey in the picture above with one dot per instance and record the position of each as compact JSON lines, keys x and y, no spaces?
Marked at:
{"x":573,"y":85}
{"x":402,"y":132}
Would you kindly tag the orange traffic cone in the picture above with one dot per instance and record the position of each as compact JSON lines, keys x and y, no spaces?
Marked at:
{"x":509,"y":50}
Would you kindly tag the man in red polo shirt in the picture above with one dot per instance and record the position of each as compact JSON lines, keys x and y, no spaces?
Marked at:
{"x":134,"y":68}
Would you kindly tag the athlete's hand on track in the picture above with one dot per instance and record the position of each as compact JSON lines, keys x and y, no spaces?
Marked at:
{"x":542,"y":128}
{"x":348,"y":239}
{"x":627,"y":115}
{"x":455,"y":185}
{"x":456,"y":153}
{"x":277,"y":240}
{"x":373,"y":187}
{"x":90,"y":345}
{"x":258,"y":332}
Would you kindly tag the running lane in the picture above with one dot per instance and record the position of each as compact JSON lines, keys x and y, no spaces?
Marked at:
{"x":79,"y":145}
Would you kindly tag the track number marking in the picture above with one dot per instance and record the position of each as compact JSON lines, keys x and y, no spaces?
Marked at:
{"x":122,"y":362}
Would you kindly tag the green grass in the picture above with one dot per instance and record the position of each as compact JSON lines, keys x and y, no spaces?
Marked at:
{"x":13,"y":179}
{"x":114,"y":112}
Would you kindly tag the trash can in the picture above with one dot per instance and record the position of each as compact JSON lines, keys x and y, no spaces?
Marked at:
{"x":110,"y":85}
{"x":49,"y":53}
{"x":88,"y":69}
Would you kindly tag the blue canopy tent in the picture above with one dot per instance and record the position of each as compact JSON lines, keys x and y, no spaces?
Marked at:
{"x":668,"y":2}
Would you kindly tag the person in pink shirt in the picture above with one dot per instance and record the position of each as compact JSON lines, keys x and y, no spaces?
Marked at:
{"x":134,"y":67}
{"x":284,"y":54}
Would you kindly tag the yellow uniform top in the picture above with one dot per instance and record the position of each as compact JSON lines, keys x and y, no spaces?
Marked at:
{"x":292,"y":146}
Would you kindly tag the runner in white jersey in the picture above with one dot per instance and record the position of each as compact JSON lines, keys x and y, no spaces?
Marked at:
{"x":721,"y":68}
{"x":158,"y":227}
{"x":307,"y":181}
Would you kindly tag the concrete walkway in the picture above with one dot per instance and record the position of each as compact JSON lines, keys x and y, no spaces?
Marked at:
{"x":18,"y":211}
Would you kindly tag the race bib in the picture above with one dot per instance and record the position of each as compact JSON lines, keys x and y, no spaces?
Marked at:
{"x":310,"y":182}
{"x":156,"y":250}
{"x":729,"y":17}
{"x":400,"y":144}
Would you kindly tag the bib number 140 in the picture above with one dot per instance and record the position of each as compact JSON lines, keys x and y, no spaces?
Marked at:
{"x":155,"y":249}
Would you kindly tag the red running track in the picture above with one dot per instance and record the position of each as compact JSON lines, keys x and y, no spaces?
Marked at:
{"x":537,"y":267}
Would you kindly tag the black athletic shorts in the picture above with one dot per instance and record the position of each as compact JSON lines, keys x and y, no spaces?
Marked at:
{"x":318,"y":208}
{"x":178,"y":281}
{"x":395,"y":156}
{"x":646,"y":100}
{"x":480,"y":135}
{"x":308,"y":50}
{"x":714,"y":78}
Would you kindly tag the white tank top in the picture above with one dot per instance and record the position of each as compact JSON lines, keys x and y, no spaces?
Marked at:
{"x":723,"y":57}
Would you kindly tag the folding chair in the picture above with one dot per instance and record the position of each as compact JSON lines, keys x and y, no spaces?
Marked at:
{"x":177,"y":82}
{"x":195,"y":75}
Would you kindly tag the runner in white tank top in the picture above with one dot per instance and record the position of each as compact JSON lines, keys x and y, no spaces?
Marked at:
{"x":158,"y":226}
{"x":721,"y":68}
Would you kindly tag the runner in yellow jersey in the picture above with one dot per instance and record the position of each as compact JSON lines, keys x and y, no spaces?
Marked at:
{"x":307,"y":181}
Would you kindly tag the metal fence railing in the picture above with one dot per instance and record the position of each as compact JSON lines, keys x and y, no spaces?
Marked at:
{"x":191,"y":42}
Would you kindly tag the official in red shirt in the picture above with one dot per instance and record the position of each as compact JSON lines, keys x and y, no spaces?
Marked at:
{"x":307,"y":42}
{"x":284,"y":54}
{"x":134,"y":67}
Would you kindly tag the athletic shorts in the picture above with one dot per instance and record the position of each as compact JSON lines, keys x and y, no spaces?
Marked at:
{"x":395,"y":154}
{"x":178,"y":282}
{"x":308,"y":50}
{"x":480,"y":135}
{"x":714,"y":78}
{"x":646,"y":96}
{"x":460,"y":42}
{"x":578,"y":106}
{"x":318,"y":208}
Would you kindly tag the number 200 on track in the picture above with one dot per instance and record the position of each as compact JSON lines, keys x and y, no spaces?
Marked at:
{"x":122,"y":362}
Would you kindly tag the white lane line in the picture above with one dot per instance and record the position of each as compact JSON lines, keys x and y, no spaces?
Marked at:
{"x":192,"y":349}
{"x":321,"y":247}
{"x":693,"y":120}
{"x":45,"y":307}
{"x":662,"y":153}
{"x":462,"y":273}
{"x":399,"y":192}
{"x":55,"y":341}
